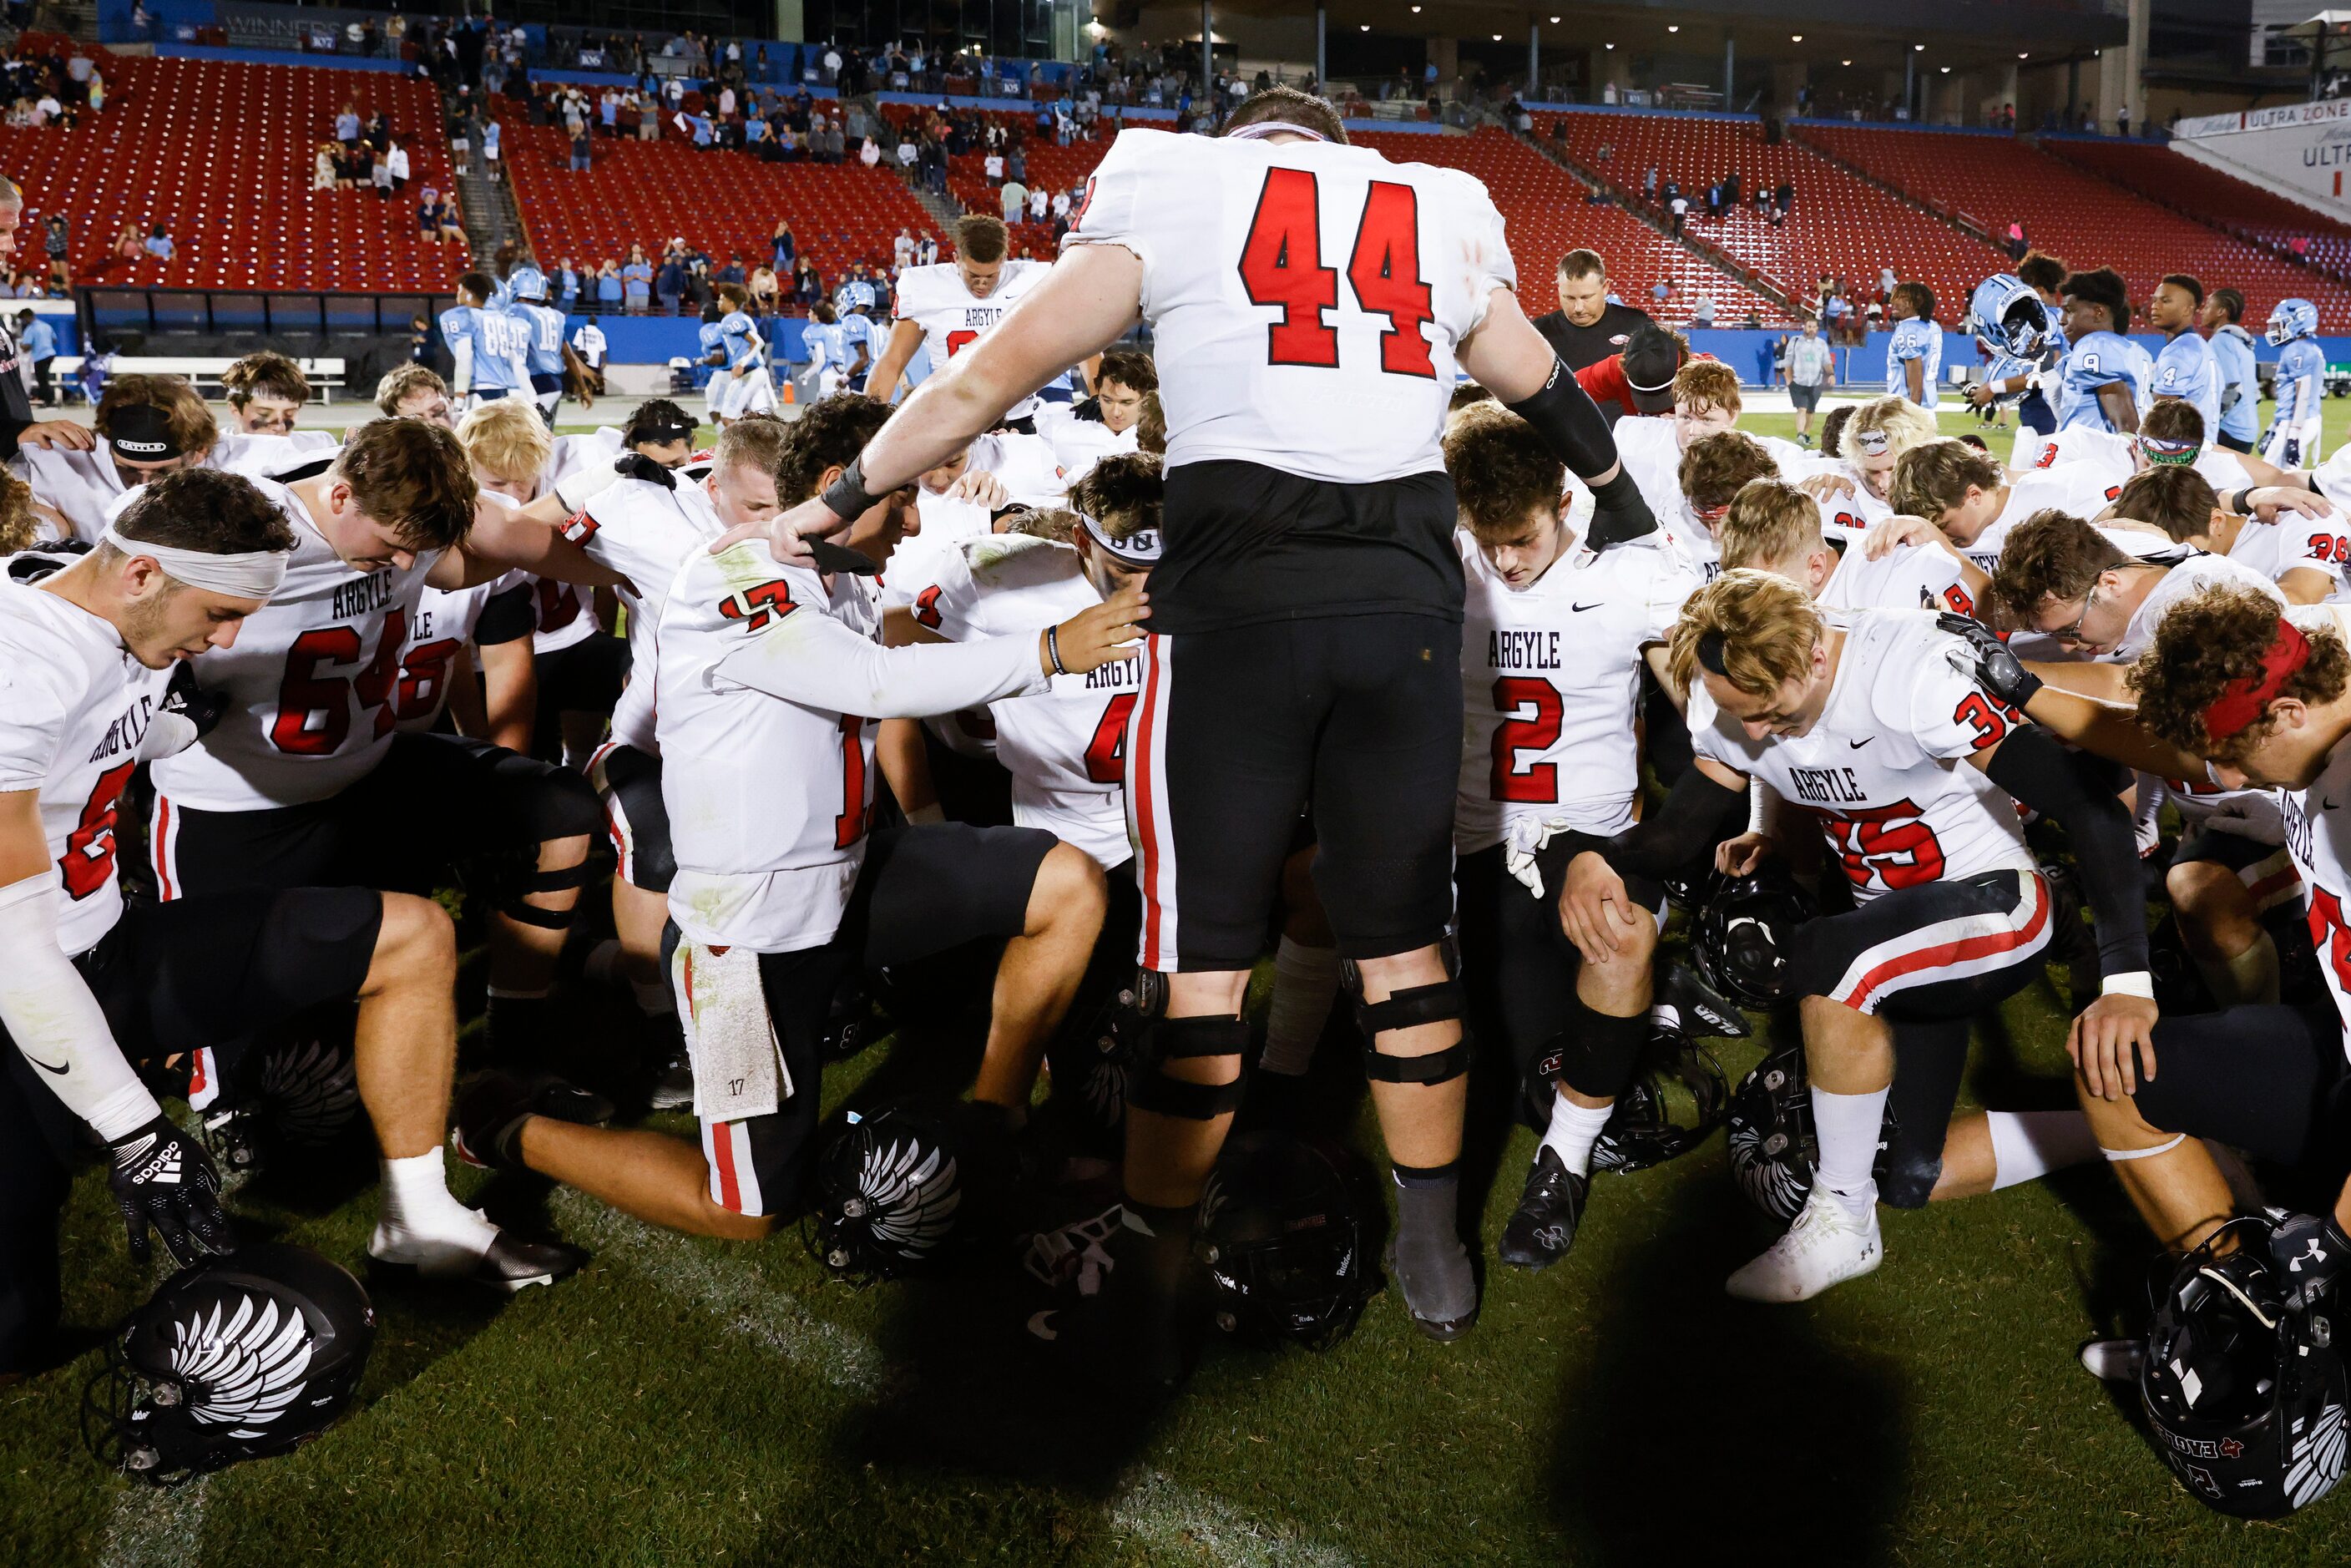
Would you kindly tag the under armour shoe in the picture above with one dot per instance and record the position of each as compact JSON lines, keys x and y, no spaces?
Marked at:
{"x":1542,"y":1228}
{"x":673,"y":1087}
{"x":1826,"y":1246}
{"x":491,"y":1107}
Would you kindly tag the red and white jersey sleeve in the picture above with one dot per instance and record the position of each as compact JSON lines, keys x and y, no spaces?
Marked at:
{"x":1550,"y":677}
{"x":1065,"y":746}
{"x":1885,"y":769}
{"x":312,"y":682}
{"x":645,"y":532}
{"x":1910,"y":576}
{"x":772,"y":777}
{"x":2318,"y":836}
{"x":73,"y":707}
{"x":2293,"y":543}
{"x":1306,"y":297}
{"x":934,"y":299}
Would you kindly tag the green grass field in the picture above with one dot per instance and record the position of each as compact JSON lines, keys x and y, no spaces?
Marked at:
{"x":682,"y":1401}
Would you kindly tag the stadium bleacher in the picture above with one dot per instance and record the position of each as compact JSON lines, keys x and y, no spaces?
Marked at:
{"x":645,"y":192}
{"x":220,"y":155}
{"x":2204,"y":192}
{"x":2072,"y":213}
{"x":1838,"y":224}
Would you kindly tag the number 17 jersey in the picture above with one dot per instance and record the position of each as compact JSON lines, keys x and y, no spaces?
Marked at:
{"x":1306,"y":297}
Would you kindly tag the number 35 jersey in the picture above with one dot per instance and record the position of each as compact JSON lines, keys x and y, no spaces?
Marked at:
{"x":313,"y":681}
{"x":1551,"y":675}
{"x":1306,"y":297}
{"x":1885,"y":769}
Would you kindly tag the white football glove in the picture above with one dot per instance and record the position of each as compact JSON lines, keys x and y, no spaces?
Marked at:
{"x":1523,"y":841}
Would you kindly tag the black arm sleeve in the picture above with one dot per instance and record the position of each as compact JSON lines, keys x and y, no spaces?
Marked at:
{"x":2032,"y":766}
{"x":1570,"y":422}
{"x":1698,"y":814}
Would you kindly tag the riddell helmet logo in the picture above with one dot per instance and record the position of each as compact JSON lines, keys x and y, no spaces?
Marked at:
{"x":1621,"y":339}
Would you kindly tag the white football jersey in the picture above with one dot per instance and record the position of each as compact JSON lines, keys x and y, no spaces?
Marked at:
{"x":643,"y":531}
{"x":2318,"y":836}
{"x":1856,"y":509}
{"x":1885,"y":769}
{"x":444,"y":622}
{"x":769,"y":821}
{"x":74,"y":704}
{"x":1908,"y":577}
{"x":2077,"y":489}
{"x":84,"y":486}
{"x":1652,"y":454}
{"x":1065,"y":746}
{"x":2109,"y":453}
{"x":310,"y":682}
{"x":1306,"y":297}
{"x":2184,"y":582}
{"x":934,"y":297}
{"x":2296,"y":543}
{"x":1550,"y":681}
{"x":591,"y":452}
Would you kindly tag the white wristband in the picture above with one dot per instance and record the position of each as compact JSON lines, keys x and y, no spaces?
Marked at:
{"x":2129,"y":983}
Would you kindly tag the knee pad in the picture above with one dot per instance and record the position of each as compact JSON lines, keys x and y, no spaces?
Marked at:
{"x":1599,"y":1056}
{"x":1165,"y":1039}
{"x":1413,"y":1005}
{"x":505,"y":880}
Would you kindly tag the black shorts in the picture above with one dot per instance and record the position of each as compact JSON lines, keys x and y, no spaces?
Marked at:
{"x":586,"y":677}
{"x":628,"y":784}
{"x":2267,"y":870}
{"x":1939,"y":950}
{"x":2233,"y":443}
{"x":1517,"y":963}
{"x":202,"y":976}
{"x":433,"y":804}
{"x":2271,"y":1081}
{"x":1804,"y":397}
{"x":922,"y":890}
{"x":1357,"y":717}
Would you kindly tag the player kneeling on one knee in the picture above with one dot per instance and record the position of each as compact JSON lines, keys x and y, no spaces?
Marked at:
{"x":1874,"y":721}
{"x":1553,"y":651}
{"x":92,"y":991}
{"x":771,"y":680}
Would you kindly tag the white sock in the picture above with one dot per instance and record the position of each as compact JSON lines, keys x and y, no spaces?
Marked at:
{"x":2028,"y":1145}
{"x":418,"y":1221}
{"x":1848,"y":1127}
{"x":1573,"y":1130}
{"x":1305,"y":983}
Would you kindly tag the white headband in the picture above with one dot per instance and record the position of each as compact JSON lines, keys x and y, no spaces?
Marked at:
{"x":1273,"y":127}
{"x":1140,"y":548}
{"x":254,"y":574}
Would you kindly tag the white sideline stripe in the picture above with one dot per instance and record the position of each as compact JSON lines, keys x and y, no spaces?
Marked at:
{"x":1149,"y":1506}
{"x":1162,"y":1512}
{"x":739,"y":1296}
{"x":155,"y":1527}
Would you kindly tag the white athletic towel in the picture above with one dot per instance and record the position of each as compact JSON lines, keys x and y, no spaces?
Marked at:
{"x":739,"y":1068}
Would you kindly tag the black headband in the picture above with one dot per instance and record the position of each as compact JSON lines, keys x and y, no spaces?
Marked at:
{"x":1709,"y":653}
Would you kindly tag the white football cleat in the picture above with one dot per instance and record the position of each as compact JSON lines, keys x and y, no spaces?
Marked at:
{"x":2114,"y":1360}
{"x":1825,"y":1247}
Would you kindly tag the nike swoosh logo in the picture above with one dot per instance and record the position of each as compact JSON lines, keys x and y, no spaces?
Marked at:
{"x":1579,"y":609}
{"x":2323,"y":804}
{"x":1858,"y":745}
{"x":45,"y":1067}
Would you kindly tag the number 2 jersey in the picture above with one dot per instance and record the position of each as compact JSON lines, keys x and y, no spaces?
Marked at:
{"x":1065,"y":746}
{"x":1551,"y":679}
{"x":73,"y":706}
{"x":1885,"y":769}
{"x":934,"y":299}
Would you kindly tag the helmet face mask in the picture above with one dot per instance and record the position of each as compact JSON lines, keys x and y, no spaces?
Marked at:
{"x":2008,"y":317}
{"x":2291,"y":319}
{"x":235,"y":1358}
{"x":1744,"y":934}
{"x":1641,"y":1130}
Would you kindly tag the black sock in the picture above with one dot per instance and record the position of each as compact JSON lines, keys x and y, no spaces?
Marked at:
{"x":1430,"y":1262}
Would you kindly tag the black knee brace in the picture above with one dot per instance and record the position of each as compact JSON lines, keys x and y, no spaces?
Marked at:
{"x":1409,"y":1009}
{"x":1598,"y":1053}
{"x":508,"y":883}
{"x":1151,"y":1089}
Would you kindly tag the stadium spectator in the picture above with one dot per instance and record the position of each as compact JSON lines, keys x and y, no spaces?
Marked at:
{"x":38,"y":340}
{"x":637,"y":281}
{"x":582,"y":151}
{"x":1702,"y":313}
{"x":609,"y":287}
{"x":1810,"y":368}
{"x":129,"y":244}
{"x":347,"y":124}
{"x":1015,"y":201}
{"x":396,"y":159}
{"x":322,"y":168}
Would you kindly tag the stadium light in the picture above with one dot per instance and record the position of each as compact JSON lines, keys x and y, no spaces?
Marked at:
{"x":1795,"y":38}
{"x":1612,"y":46}
{"x":1845,"y":62}
{"x":1554,"y":21}
{"x":1917,"y":49}
{"x":1362,"y":27}
{"x":1498,"y":38}
{"x":2026,"y":56}
{"x":1947,"y":70}
{"x":1673,"y":27}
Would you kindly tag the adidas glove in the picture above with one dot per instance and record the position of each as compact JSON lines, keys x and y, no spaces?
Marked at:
{"x":162,"y":1177}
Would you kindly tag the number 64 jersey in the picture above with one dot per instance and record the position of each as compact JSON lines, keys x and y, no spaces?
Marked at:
{"x":1885,"y":769}
{"x":1306,"y":297}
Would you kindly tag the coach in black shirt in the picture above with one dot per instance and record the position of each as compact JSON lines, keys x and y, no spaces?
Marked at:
{"x":1587,"y":328}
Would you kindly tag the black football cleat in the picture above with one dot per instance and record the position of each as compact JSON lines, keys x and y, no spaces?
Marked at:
{"x":1139,"y":1334}
{"x":673,"y":1087}
{"x":492,"y":1106}
{"x":1541,"y":1229}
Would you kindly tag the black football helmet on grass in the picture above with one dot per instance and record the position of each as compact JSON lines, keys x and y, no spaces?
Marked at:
{"x":1284,"y":1239}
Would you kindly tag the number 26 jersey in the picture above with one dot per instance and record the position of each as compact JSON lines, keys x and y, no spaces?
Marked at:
{"x":1306,"y":297}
